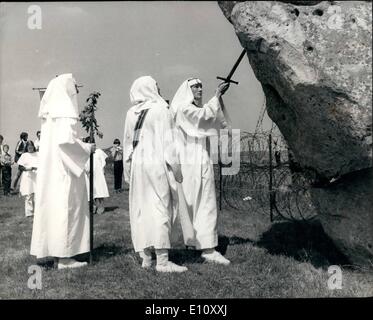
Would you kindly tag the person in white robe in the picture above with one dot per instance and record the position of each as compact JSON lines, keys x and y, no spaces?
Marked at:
{"x":37,"y":141}
{"x":196,"y":124}
{"x":100,"y":189}
{"x":29,"y":164}
{"x":61,"y":217}
{"x":152,"y":169}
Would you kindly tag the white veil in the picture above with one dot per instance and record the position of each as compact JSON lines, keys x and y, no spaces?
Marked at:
{"x":60,"y":98}
{"x":184,"y":95}
{"x":192,"y":127}
{"x":144,"y":94}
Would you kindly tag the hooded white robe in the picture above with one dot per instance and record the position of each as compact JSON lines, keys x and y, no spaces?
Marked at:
{"x":153,"y":191}
{"x":100,"y":189}
{"x":61,"y":218}
{"x":197,"y":197}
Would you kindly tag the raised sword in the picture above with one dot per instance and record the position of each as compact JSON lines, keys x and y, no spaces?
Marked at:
{"x":228,"y":79}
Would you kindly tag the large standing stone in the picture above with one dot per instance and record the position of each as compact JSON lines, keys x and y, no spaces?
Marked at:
{"x":314,"y":60}
{"x":346,"y":208}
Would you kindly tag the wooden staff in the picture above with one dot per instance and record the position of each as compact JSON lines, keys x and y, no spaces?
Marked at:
{"x":91,"y":169}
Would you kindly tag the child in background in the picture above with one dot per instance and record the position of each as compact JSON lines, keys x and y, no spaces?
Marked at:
{"x":20,"y":149}
{"x":28,"y":163}
{"x":6,"y":165}
{"x":117,"y":154}
{"x":1,"y":151}
{"x":100,"y":189}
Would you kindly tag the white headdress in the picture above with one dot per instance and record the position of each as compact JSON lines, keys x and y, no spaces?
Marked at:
{"x":60,"y":98}
{"x":184,"y":95}
{"x":192,"y":126}
{"x":144,"y":94}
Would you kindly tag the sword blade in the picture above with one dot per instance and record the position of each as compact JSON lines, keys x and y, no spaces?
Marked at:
{"x":236,"y":64}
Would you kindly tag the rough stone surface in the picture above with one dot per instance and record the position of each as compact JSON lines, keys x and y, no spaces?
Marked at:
{"x":314,"y":61}
{"x":347,"y":218}
{"x":228,"y":7}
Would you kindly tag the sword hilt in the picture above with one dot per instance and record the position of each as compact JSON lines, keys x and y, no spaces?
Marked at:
{"x":227,"y":80}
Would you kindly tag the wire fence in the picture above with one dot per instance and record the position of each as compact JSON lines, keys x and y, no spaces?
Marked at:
{"x":266,"y":180}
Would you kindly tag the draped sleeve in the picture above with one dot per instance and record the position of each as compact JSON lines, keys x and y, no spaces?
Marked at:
{"x":205,"y":121}
{"x":205,"y":114}
{"x":171,"y":158}
{"x":102,"y":156}
{"x":170,"y":154}
{"x":74,"y":153}
{"x":129,"y":126}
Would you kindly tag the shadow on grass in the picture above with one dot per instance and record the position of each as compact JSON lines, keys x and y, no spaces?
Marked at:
{"x":181,"y":256}
{"x":303,"y":241}
{"x":109,"y":209}
{"x":47,"y":263}
{"x":6,"y":215}
{"x":103,"y":252}
{"x":107,"y":251}
{"x":224,"y":242}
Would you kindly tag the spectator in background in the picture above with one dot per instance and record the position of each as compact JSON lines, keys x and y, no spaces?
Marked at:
{"x":21,"y":146}
{"x":1,"y":152}
{"x":20,"y":149}
{"x":28,"y":163}
{"x":37,"y":141}
{"x":117,"y":154}
{"x":6,"y":165}
{"x":1,"y":144}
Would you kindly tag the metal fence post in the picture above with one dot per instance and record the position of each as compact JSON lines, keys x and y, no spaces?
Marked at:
{"x":270,"y":177}
{"x":220,"y":179}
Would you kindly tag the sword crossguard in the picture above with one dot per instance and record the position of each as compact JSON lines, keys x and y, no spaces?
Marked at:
{"x":227,"y":80}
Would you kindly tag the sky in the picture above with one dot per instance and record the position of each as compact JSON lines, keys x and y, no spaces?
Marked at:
{"x":106,"y":46}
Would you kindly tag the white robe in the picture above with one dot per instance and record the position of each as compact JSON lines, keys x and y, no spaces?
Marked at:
{"x":198,"y":210}
{"x":61,"y":218}
{"x":28,"y":178}
{"x":153,"y":191}
{"x":37,"y":145}
{"x":100,"y":189}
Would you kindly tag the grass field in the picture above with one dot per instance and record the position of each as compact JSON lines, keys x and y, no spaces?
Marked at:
{"x":282,"y":259}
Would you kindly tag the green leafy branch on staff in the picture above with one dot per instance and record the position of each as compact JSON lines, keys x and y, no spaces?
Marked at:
{"x":88,"y":114}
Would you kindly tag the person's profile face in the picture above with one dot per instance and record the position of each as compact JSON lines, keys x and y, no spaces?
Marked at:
{"x":197,"y":91}
{"x":25,"y":138}
{"x":6,"y":148}
{"x":38,"y":135}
